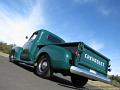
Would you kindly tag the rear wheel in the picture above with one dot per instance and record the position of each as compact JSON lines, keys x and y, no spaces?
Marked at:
{"x":43,"y":68}
{"x":78,"y":81}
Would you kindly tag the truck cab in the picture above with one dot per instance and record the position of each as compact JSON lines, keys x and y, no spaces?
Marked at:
{"x":49,"y":53}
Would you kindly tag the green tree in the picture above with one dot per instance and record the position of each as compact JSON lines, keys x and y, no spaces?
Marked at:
{"x":115,"y":80}
{"x":5,"y":48}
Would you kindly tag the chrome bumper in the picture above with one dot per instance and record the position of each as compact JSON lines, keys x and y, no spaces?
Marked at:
{"x":90,"y":75}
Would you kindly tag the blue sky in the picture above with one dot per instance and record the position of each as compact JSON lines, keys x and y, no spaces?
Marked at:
{"x":95,"y":22}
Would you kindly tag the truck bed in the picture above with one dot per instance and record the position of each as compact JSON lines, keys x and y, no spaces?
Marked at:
{"x":75,"y":44}
{"x":89,"y":62}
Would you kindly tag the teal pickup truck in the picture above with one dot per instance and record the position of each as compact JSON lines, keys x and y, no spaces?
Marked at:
{"x":50,"y":54}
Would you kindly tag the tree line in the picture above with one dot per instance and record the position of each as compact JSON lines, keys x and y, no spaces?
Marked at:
{"x":115,"y":80}
{"x":5,"y":48}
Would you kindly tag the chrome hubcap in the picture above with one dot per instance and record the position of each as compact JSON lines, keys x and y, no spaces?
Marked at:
{"x":12,"y":57}
{"x":42,"y":65}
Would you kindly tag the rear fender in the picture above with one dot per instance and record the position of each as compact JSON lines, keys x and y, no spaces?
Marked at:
{"x":59,"y":56}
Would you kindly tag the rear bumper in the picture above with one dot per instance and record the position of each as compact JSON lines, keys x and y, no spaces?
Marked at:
{"x":90,"y":75}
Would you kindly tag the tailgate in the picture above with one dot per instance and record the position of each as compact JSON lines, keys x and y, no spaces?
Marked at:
{"x":92,"y":59}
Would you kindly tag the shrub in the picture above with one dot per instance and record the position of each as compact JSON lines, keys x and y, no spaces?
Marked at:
{"x":5,"y":48}
{"x":115,"y":80}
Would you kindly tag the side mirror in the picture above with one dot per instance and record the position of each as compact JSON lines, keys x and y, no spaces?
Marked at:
{"x":26,"y":37}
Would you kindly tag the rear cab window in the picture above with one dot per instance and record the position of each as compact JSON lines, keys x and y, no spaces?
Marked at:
{"x":54,"y":39}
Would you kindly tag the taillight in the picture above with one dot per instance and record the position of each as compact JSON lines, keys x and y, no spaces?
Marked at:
{"x":109,"y":64}
{"x":109,"y":69}
{"x":77,"y":53}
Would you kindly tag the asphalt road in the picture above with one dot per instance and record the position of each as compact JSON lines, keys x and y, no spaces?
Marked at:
{"x":21,"y":77}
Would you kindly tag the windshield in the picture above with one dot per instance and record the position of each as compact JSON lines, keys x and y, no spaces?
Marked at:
{"x":33,"y":36}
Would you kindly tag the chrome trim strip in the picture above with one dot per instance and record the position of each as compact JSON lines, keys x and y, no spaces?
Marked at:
{"x":90,"y":75}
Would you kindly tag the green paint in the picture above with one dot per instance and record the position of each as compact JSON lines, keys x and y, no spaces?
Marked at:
{"x":61,"y":53}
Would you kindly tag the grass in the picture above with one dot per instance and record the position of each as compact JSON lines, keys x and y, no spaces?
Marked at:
{"x":101,"y":85}
{"x":3,"y":54}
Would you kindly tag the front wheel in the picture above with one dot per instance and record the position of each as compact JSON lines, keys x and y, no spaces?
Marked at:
{"x":43,"y":68}
{"x":12,"y":56}
{"x":78,"y":81}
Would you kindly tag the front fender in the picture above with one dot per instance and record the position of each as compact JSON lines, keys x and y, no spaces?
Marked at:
{"x":17,"y":51}
{"x":59,"y":56}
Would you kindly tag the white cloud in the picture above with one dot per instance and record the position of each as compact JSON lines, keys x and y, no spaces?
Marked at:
{"x":100,"y":8}
{"x":84,"y":1}
{"x":105,"y":11}
{"x":14,"y":30}
{"x":96,"y":45}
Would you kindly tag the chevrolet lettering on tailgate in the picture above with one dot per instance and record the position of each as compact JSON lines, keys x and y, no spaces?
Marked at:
{"x":88,"y":57}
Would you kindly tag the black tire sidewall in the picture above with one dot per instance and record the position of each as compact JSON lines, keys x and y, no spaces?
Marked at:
{"x":78,"y":81}
{"x":46,"y":72}
{"x":11,"y":59}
